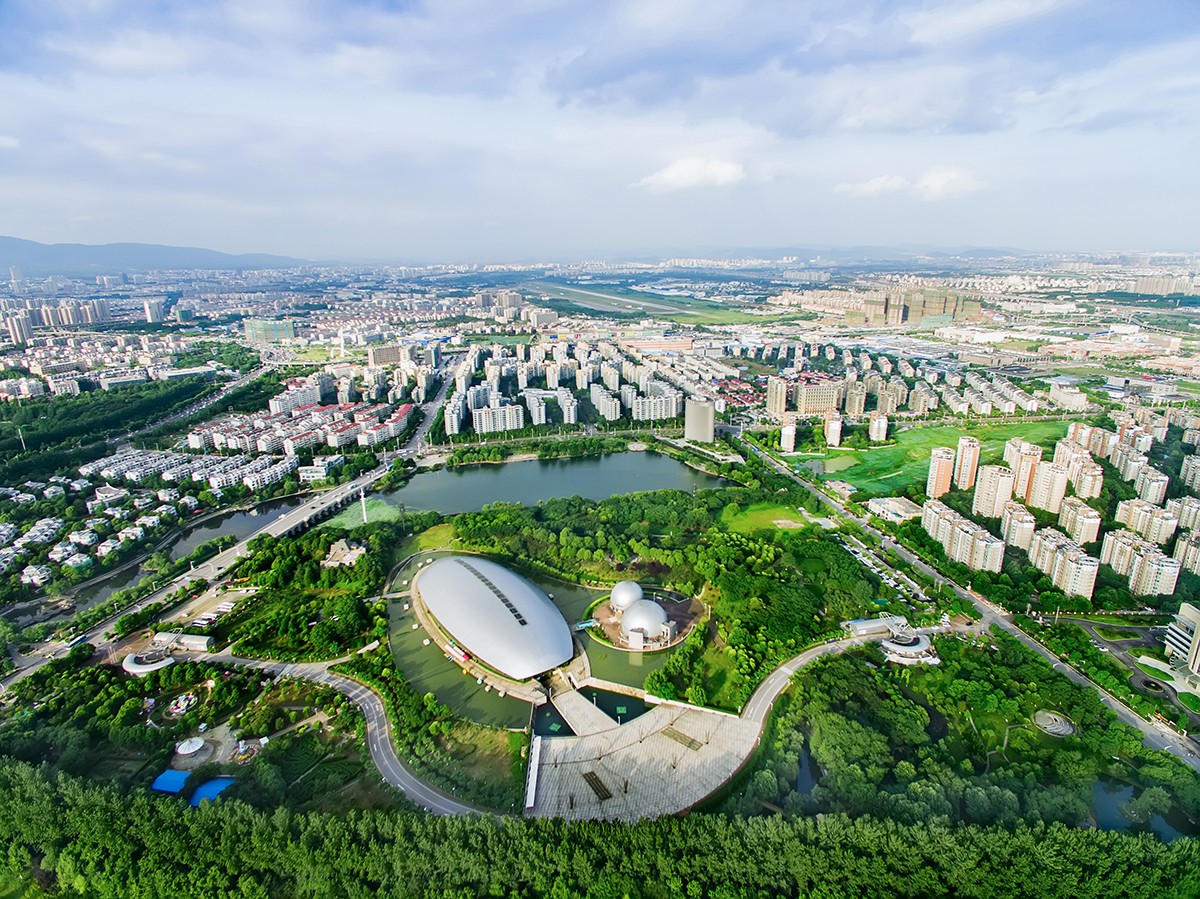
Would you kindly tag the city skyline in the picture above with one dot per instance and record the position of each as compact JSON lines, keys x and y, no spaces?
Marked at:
{"x":377,"y":132}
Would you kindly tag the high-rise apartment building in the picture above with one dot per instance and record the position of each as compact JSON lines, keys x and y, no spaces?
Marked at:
{"x":1022,"y":457}
{"x":787,"y":438}
{"x":877,"y":428}
{"x":1047,"y":486}
{"x":777,"y":396}
{"x":1187,"y":551}
{"x":1155,"y":524}
{"x":1151,"y":485}
{"x":1190,"y":473}
{"x":1150,"y":571}
{"x":1080,"y":521}
{"x":20,"y":328}
{"x":993,"y":489}
{"x":856,"y":399}
{"x":1187,"y":510}
{"x":941,"y":471}
{"x":1066,"y":564}
{"x":962,"y":540}
{"x":1017,"y":525}
{"x":966,"y":463}
{"x":833,"y":429}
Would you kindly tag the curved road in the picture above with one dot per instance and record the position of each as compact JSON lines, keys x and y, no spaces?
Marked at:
{"x":1154,"y":735}
{"x":379,"y":731}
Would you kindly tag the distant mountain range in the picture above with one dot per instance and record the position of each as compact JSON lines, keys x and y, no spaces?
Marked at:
{"x":39,"y":260}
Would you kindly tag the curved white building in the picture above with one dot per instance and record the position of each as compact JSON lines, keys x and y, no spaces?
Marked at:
{"x":496,"y":615}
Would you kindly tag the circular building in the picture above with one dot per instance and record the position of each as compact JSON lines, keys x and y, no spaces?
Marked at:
{"x":190,"y":746}
{"x":625,"y":594}
{"x":496,"y":615}
{"x":645,"y":622}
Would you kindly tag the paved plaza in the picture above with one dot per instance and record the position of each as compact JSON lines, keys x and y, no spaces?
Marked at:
{"x":661,"y":763}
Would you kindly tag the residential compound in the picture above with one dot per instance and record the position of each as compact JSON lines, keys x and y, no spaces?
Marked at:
{"x":559,"y":376}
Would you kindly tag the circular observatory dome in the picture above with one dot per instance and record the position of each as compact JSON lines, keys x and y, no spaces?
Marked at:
{"x":624,"y":595}
{"x":646,"y":616}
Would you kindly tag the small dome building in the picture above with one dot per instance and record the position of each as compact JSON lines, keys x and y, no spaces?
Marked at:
{"x":645,"y":623}
{"x":624,"y":595}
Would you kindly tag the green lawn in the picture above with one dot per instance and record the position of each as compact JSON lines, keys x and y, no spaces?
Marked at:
{"x":761,"y":515}
{"x":352,"y":517}
{"x":892,"y":469}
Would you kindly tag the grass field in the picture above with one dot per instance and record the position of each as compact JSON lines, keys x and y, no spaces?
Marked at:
{"x":892,"y":469}
{"x":12,"y":888}
{"x":761,"y":515}
{"x":351,"y":517}
{"x":689,"y":310}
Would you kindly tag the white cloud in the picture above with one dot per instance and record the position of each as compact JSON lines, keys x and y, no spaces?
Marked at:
{"x":946,"y":183}
{"x":940,"y":183}
{"x":693,"y":171}
{"x":7,"y":142}
{"x":961,"y":21}
{"x":874,"y":187}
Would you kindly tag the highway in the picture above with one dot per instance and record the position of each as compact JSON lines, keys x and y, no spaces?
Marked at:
{"x":1154,"y":735}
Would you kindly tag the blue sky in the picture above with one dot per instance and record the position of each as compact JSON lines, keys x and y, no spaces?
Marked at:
{"x":483,"y":131}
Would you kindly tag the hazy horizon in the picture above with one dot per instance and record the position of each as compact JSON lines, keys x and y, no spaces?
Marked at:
{"x":381,"y":131}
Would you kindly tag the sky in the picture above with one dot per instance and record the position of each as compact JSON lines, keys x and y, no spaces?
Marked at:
{"x":535,"y":129}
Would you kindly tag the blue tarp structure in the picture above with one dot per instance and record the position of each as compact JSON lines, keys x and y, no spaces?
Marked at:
{"x":170,"y":781}
{"x":211,"y":789}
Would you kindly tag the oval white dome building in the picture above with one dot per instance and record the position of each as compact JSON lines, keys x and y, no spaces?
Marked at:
{"x":625,"y":594}
{"x":496,"y":615}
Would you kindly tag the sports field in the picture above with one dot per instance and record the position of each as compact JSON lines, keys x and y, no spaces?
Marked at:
{"x":892,"y":469}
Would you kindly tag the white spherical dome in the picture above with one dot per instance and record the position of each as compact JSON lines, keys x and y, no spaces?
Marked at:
{"x":625,"y":594}
{"x":646,"y":616}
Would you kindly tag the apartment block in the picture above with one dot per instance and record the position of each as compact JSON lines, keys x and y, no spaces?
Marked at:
{"x":1022,"y":457}
{"x":1066,"y":564}
{"x":941,"y":471}
{"x":993,"y":490}
{"x":1151,"y":485}
{"x":1187,"y":510}
{"x":962,"y":539}
{"x":966,"y":463}
{"x":1047,"y":486}
{"x":1150,"y":521}
{"x":1150,"y":571}
{"x":1017,"y":525}
{"x":1079,"y":520}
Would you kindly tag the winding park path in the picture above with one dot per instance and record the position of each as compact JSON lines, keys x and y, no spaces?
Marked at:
{"x":378,"y":729}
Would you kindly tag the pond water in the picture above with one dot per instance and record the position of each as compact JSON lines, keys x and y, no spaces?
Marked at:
{"x":618,"y":706}
{"x":1109,"y":795}
{"x":809,"y":773}
{"x":470,"y":488}
{"x":240,"y":524}
{"x":549,"y":722}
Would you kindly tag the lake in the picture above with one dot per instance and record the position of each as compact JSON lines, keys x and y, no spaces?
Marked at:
{"x":470,"y":488}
